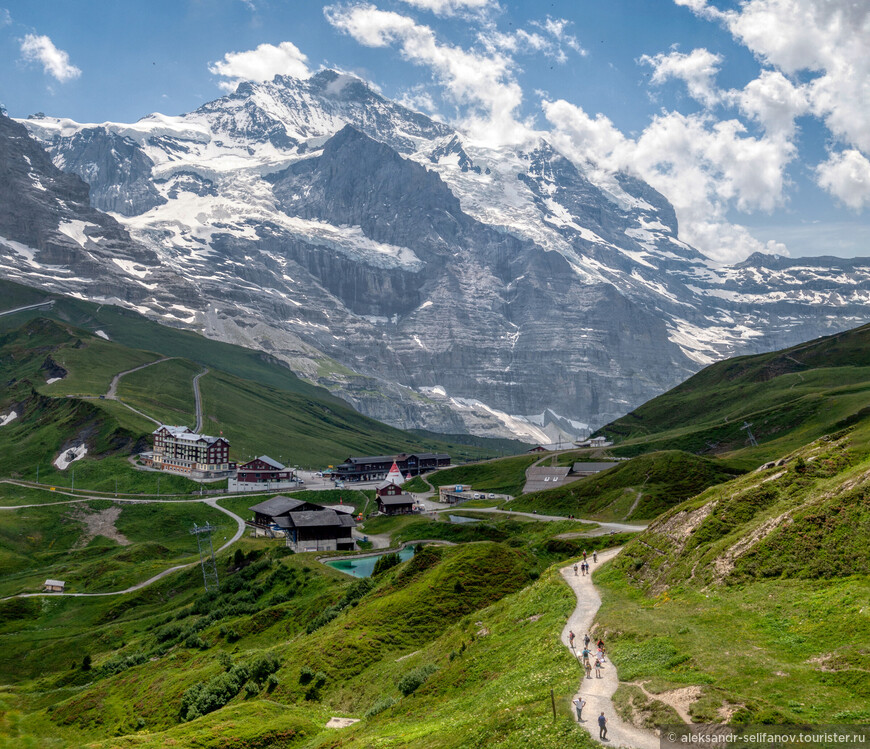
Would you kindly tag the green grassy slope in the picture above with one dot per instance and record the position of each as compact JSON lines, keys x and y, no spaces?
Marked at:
{"x":503,"y":476}
{"x":257,"y":418}
{"x":790,"y":397}
{"x":451,"y":615}
{"x":760,"y":578}
{"x":637,"y":489}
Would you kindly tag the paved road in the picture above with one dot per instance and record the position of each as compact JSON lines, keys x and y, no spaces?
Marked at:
{"x":112,"y":392}
{"x":240,"y":529}
{"x":599,"y":531}
{"x":48,"y":303}
{"x":198,"y":400}
{"x":598,"y":692}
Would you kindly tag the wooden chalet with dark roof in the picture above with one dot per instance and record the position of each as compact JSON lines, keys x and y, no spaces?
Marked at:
{"x":263,"y":470}
{"x":376,"y":467}
{"x":306,"y":526}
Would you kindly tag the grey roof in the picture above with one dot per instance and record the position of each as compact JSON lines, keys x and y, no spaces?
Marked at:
{"x":347,"y":520}
{"x":277,"y":506}
{"x":592,"y":467}
{"x":372,"y":459}
{"x":386,"y":482}
{"x":541,"y":471}
{"x":315,"y":518}
{"x":398,"y":499}
{"x":274,"y":463}
{"x":55,"y":583}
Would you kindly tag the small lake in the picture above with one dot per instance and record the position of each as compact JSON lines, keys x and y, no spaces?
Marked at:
{"x":462,"y":519}
{"x":364,"y":566}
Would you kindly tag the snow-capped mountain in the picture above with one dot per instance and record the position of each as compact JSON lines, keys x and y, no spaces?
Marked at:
{"x":431,"y":281}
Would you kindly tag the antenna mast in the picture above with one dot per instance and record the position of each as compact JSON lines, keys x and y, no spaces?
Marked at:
{"x":206,"y":555}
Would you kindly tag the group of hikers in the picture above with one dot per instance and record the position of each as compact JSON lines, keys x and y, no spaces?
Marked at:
{"x":587,"y":658}
{"x":584,"y":564}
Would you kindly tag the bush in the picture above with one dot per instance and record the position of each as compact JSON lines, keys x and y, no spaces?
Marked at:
{"x":252,"y":689}
{"x":414,"y":679}
{"x":264,"y":666}
{"x":169,"y":632}
{"x":271,"y":682}
{"x":306,"y":674}
{"x":86,"y":663}
{"x":213,"y":694}
{"x":387,"y":561}
{"x":382,"y":704}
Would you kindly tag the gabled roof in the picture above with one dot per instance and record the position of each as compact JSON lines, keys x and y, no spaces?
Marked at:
{"x":388,"y":482}
{"x":277,"y":506}
{"x":55,"y":583}
{"x":397,"y":499}
{"x":268,"y":461}
{"x":553,"y":471}
{"x":592,"y":467}
{"x":316,"y":519}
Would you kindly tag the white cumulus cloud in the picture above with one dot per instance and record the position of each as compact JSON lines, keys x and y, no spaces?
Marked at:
{"x":698,"y":70}
{"x":703,"y":166}
{"x":453,"y":7}
{"x":481,"y":82}
{"x":846,"y":175}
{"x":55,"y":62}
{"x":260,"y":64}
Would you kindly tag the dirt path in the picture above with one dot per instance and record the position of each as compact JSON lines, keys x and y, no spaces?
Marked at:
{"x":198,"y":400}
{"x":599,"y":531}
{"x":598,"y":693}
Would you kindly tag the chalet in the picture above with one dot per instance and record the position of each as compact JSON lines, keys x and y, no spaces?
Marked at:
{"x":54,"y":586}
{"x":376,"y":467}
{"x":306,"y":526}
{"x":320,"y":530}
{"x":539,"y":478}
{"x":388,"y":488}
{"x":262,"y":474}
{"x":267,"y":514}
{"x":395,"y":504}
{"x":590,"y":469}
{"x":180,"y":450}
{"x":537,"y":449}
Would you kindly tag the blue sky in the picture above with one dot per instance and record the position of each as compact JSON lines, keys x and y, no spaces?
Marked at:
{"x":751,"y":117}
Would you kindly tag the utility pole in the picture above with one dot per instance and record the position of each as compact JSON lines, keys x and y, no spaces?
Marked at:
{"x":747,"y":426}
{"x":206,"y":555}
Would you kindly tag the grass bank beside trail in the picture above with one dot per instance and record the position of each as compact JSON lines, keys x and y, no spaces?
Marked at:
{"x":502,"y":476}
{"x":777,"y":651}
{"x":637,"y":489}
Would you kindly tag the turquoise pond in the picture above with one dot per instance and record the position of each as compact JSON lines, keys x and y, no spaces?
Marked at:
{"x":364,"y":566}
{"x":462,"y":519}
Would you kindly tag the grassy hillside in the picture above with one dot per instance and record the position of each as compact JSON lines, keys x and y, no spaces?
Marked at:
{"x":790,"y":397}
{"x":257,"y":418}
{"x":761,"y":578}
{"x":503,"y":476}
{"x":637,"y":489}
{"x":423,"y":654}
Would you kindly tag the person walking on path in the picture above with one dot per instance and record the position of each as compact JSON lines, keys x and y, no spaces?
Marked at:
{"x":575,"y":570}
{"x":584,"y":555}
{"x":579,"y":704}
{"x":588,"y":669}
{"x":597,"y":668}
{"x":571,"y":639}
{"x":602,"y":727}
{"x":594,"y":556}
{"x":586,"y":640}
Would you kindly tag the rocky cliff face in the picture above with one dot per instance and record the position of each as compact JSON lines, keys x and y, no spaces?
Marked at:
{"x":430,"y":281}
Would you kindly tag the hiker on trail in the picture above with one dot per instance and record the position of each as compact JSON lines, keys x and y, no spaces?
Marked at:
{"x":594,"y":556}
{"x":584,"y":555}
{"x":585,"y":654}
{"x":571,"y":639}
{"x":600,"y":644}
{"x":597,"y":668}
{"x":588,"y":669}
{"x":600,"y":655}
{"x":602,"y":726}
{"x":575,"y":570}
{"x":586,"y":640}
{"x":579,"y":704}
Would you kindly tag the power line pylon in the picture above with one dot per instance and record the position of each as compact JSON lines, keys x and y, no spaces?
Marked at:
{"x":747,"y":426}
{"x":206,"y":555}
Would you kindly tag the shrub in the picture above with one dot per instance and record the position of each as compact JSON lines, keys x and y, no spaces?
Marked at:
{"x":86,"y":663}
{"x":306,"y":674}
{"x":385,"y":562}
{"x":252,"y":689}
{"x":213,"y":694}
{"x":414,"y":679}
{"x":382,"y":704}
{"x":264,"y":666}
{"x":169,"y":632}
{"x":271,"y":682}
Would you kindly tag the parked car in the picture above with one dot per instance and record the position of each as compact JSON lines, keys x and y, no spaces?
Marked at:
{"x":491,"y":496}
{"x":478,"y":496}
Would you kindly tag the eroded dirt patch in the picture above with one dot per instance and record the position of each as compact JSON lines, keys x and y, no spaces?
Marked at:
{"x":98,"y":523}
